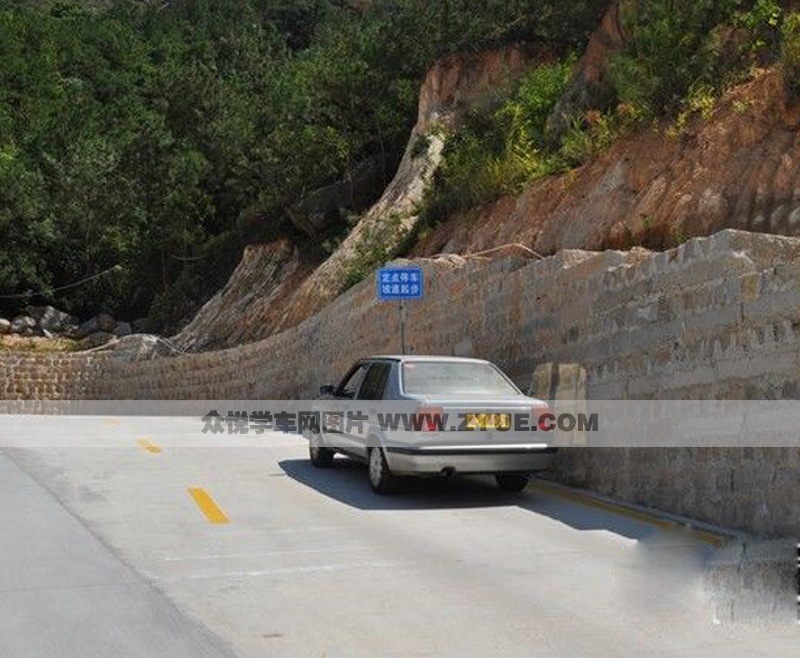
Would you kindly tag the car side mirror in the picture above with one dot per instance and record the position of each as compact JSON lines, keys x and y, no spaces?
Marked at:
{"x":327,"y":389}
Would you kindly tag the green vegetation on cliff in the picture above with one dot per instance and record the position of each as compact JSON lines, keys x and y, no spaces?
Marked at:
{"x":161,"y":137}
{"x":678,"y":56}
{"x":148,"y":142}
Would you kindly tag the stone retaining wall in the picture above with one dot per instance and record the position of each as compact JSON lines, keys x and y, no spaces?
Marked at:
{"x":754,"y":489}
{"x":716,"y":318}
{"x":50,"y":376}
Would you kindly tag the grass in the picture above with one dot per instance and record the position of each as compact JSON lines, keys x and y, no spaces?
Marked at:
{"x":14,"y":343}
{"x":378,"y":246}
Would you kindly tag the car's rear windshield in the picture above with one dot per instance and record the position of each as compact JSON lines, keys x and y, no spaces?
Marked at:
{"x":454,"y":378}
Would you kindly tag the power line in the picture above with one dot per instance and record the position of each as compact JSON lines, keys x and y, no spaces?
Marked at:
{"x":51,"y":291}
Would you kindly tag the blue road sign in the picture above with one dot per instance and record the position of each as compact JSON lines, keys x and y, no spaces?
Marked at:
{"x":400,"y":283}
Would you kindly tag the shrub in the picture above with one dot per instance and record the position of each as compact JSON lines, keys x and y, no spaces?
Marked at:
{"x":669,"y":51}
{"x":676,"y":46}
{"x":681,"y":54}
{"x":499,"y":150}
{"x":761,"y":23}
{"x":700,"y":100}
{"x":378,"y":246}
{"x":588,"y":135}
{"x":790,"y":55}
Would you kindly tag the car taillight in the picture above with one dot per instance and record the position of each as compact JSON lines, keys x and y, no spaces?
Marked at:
{"x":543,"y":417}
{"x":430,"y":418}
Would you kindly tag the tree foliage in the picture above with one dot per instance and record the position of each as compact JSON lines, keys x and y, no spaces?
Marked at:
{"x":790,"y":55}
{"x":676,"y":46}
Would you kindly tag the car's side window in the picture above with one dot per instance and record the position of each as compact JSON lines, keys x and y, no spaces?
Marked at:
{"x":375,"y":382}
{"x":349,"y":386}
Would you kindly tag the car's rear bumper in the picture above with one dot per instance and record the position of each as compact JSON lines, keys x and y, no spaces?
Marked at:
{"x":469,"y":459}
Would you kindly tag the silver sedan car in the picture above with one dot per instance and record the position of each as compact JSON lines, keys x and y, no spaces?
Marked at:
{"x":427,"y":416}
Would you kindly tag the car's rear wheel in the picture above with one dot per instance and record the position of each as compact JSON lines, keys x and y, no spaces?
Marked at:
{"x":320,"y":457}
{"x":381,"y":478}
{"x":512,"y":481}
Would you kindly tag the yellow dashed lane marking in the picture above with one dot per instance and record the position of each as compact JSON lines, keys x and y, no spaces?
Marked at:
{"x":146,"y":445}
{"x":637,"y":515}
{"x":112,"y":421}
{"x":208,"y":507}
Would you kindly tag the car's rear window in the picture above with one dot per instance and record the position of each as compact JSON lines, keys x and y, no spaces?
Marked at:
{"x":454,"y":378}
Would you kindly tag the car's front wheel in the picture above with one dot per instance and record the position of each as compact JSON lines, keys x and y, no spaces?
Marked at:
{"x":381,"y":479}
{"x":320,"y":457}
{"x":512,"y":481}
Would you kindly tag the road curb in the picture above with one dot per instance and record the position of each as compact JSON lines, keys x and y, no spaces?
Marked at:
{"x":706,"y":532}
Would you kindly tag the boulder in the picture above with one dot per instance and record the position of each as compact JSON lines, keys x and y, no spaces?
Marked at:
{"x":252,"y":301}
{"x":141,"y":347}
{"x":72,"y":331}
{"x":123,"y":329}
{"x":328,"y":205}
{"x":24,"y":325}
{"x":139,"y":326}
{"x":96,"y":339}
{"x":106,"y":323}
{"x":101,"y":322}
{"x":87,"y":328}
{"x":5,"y":326}
{"x":51,"y":319}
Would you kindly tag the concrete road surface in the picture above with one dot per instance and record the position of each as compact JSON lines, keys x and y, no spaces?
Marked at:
{"x":146,"y":548}
{"x":64,"y":594}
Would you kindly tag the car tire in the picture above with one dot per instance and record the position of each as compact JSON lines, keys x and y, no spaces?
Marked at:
{"x":381,"y":478}
{"x":514,"y":482}
{"x":320,"y":457}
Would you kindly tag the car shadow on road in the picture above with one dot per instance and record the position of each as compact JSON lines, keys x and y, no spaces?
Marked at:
{"x":347,"y":483}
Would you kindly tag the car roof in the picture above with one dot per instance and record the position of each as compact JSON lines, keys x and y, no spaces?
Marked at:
{"x":423,"y":358}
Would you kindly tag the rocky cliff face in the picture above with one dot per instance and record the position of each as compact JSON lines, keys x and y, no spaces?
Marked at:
{"x":738,"y":169}
{"x":248,"y":307}
{"x":273,"y":289}
{"x":461,"y":81}
{"x":455,"y":84}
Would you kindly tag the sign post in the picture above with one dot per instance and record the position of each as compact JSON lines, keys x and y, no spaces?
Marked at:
{"x":402,"y":327}
{"x":401,"y":284}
